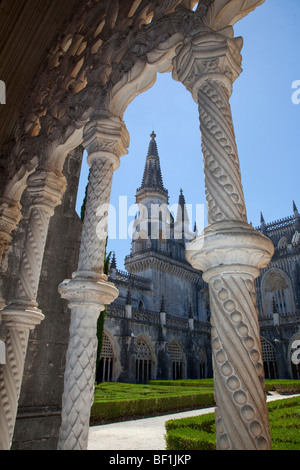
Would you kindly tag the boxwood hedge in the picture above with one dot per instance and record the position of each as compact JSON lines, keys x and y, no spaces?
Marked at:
{"x":198,"y":433}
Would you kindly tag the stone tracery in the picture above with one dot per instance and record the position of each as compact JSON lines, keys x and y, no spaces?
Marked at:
{"x":107,"y":55}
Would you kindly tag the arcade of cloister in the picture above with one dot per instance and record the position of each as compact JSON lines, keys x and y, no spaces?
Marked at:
{"x":106,"y":54}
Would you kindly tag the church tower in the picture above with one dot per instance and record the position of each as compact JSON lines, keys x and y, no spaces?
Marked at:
{"x":152,"y":199}
{"x":159,"y":241}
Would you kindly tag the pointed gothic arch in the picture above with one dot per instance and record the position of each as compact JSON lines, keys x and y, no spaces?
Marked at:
{"x":202,"y":363}
{"x":269,"y":359}
{"x":145,"y":361}
{"x":277,"y":293}
{"x":178,"y":359}
{"x":110,"y":367}
{"x":107,"y":55}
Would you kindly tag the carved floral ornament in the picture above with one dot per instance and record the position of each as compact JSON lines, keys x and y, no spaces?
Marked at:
{"x":101,"y":47}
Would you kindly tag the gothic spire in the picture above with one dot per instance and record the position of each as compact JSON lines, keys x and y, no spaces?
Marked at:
{"x":152,"y":178}
{"x":295,"y":210}
{"x":182,"y":214}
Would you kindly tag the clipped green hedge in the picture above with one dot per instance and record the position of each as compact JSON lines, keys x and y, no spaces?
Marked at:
{"x":190,"y":439}
{"x":120,"y":401}
{"x":285,"y":423}
{"x":184,"y":383}
{"x":198,"y":433}
{"x":140,"y":401}
{"x":283,"y":386}
{"x":194,"y":433}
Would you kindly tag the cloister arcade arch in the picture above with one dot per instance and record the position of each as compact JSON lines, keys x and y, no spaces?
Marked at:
{"x":145,"y":359}
{"x":110,"y":366}
{"x":106,"y":56}
{"x":177,"y":359}
{"x":277,"y":293}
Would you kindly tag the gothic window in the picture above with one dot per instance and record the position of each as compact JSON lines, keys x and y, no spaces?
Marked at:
{"x":204,"y":306}
{"x":277,"y":294}
{"x":282,"y":244}
{"x":269,"y":359}
{"x":202,"y":363}
{"x":144,"y":361}
{"x":177,"y":359}
{"x":105,"y":369}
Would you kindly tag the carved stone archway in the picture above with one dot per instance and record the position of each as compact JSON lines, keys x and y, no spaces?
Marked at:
{"x":109,"y":53}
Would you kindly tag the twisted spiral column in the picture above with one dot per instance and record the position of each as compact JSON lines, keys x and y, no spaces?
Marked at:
{"x":229,"y":252}
{"x":106,"y":140}
{"x":224,"y":191}
{"x":23,"y":314}
{"x":242,"y":421}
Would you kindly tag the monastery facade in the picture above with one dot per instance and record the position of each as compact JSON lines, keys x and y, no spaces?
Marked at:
{"x":159,"y":326}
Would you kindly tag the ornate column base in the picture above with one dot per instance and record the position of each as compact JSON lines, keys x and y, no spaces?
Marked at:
{"x":87,"y":293}
{"x":230,"y":254}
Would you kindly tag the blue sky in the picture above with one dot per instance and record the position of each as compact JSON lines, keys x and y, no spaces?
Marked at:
{"x":265,"y":119}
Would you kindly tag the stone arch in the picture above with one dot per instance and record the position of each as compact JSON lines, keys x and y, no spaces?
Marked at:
{"x":96,"y":66}
{"x":77,"y":86}
{"x":84,"y":60}
{"x":178,"y":359}
{"x":277,"y":292}
{"x":203,"y":304}
{"x":145,"y":362}
{"x":202,"y":363}
{"x":110,"y":365}
{"x":282,"y":244}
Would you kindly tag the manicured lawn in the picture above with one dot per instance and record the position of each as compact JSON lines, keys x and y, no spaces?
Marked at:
{"x":119,"y":401}
{"x":198,"y":433}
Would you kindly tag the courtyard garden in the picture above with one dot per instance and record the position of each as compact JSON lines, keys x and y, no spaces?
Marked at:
{"x":120,"y":401}
{"x":198,"y":433}
{"x":116,"y":402}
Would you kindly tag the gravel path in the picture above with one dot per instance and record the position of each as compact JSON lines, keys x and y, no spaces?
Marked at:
{"x":141,"y":434}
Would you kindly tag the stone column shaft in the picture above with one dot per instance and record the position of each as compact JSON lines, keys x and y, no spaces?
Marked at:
{"x":23,"y":314}
{"x":88,"y":291}
{"x":229,"y":251}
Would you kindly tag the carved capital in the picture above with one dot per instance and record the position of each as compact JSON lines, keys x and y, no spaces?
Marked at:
{"x":208,"y":56}
{"x":88,"y":289}
{"x":21,"y":315}
{"x":46,"y":189}
{"x":106,"y":137}
{"x":230,"y":247}
{"x":10,"y":216}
